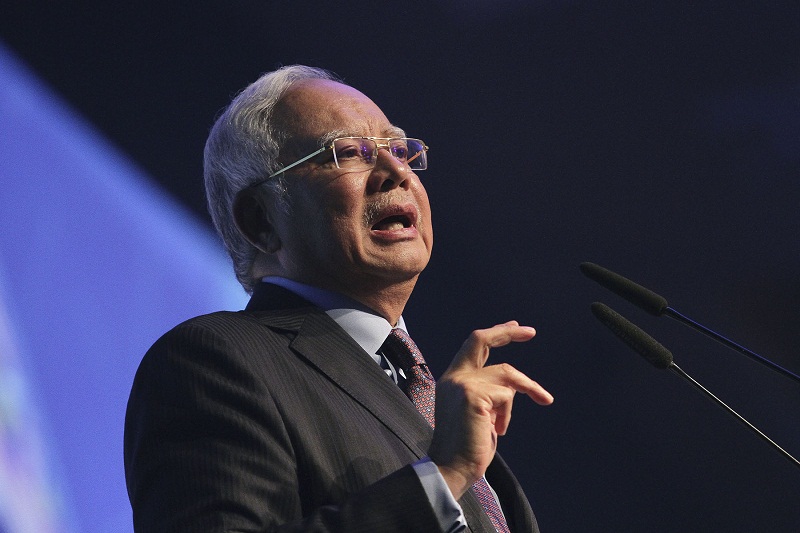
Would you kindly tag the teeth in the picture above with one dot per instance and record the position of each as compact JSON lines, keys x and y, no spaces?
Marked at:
{"x":392,"y":223}
{"x":389,"y":226}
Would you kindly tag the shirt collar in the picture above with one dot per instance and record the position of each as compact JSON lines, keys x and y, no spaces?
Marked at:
{"x":366,"y":327}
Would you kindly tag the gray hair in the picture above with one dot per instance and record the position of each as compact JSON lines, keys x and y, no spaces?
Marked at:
{"x":242,"y":149}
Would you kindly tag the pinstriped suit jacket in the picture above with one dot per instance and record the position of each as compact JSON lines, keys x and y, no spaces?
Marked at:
{"x":273,"y":418}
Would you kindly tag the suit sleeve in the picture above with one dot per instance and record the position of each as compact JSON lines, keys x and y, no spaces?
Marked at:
{"x":206,"y":449}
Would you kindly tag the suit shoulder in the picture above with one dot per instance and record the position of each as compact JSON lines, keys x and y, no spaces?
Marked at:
{"x":219,"y":335}
{"x":234,"y":347}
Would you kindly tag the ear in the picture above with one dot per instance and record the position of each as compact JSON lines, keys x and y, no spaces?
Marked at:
{"x":251,"y":212}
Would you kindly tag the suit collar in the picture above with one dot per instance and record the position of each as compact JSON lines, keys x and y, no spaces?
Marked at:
{"x":270,"y":297}
{"x":319,"y":340}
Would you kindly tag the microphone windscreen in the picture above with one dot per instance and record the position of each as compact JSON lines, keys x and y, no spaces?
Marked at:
{"x":634,"y":337}
{"x":633,"y":292}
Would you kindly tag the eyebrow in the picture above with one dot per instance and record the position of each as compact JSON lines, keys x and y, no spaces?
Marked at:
{"x":391,"y":131}
{"x":395,"y":131}
{"x":331,"y":135}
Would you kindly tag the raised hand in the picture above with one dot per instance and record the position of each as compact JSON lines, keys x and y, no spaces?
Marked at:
{"x":473,"y":405}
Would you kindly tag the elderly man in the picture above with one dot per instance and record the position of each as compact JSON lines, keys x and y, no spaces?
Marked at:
{"x":294,"y":414}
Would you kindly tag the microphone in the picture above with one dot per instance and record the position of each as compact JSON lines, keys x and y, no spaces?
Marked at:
{"x":633,"y":336}
{"x":661,"y":358}
{"x":657,"y":305}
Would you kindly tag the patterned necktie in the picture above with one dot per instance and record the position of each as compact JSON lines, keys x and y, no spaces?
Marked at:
{"x":420,"y":387}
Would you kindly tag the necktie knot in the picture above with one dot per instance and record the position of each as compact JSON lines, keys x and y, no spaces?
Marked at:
{"x":404,"y":349}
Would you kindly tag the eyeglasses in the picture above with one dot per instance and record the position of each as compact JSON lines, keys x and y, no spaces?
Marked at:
{"x":361,"y":153}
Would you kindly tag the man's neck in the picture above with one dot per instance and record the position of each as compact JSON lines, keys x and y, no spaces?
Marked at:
{"x":387,"y":301}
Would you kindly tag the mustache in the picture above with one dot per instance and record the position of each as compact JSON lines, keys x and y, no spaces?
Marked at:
{"x":376,"y":209}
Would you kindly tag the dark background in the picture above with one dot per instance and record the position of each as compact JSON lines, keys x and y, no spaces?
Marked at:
{"x":659,"y":139}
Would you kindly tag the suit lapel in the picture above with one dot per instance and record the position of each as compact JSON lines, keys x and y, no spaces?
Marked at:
{"x":327,"y":347}
{"x":516,"y":508}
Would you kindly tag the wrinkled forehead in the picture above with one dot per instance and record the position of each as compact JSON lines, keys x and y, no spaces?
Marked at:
{"x":312,"y":110}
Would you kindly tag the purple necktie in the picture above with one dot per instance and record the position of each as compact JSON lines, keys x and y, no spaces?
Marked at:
{"x":421,"y":388}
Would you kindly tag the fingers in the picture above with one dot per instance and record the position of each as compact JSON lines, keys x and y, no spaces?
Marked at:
{"x":490,"y":392}
{"x":501,"y":413}
{"x":474,"y":354}
{"x":509,"y":377}
{"x":475,"y":350}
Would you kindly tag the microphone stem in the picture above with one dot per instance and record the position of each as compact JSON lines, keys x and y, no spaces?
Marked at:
{"x":736,"y":415}
{"x":672,"y":313}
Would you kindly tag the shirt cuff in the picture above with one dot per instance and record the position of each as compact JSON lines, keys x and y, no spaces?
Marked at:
{"x":445,"y":507}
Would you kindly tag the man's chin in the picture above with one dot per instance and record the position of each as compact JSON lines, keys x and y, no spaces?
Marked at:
{"x":394,"y":273}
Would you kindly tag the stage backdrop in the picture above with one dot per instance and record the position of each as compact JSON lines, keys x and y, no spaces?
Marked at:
{"x":95,"y":264}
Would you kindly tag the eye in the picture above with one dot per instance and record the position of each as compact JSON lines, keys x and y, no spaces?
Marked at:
{"x":348,"y":150}
{"x":400,"y":150}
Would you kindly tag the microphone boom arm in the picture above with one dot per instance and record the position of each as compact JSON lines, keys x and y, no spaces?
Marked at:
{"x":672,"y":313}
{"x":675,"y":368}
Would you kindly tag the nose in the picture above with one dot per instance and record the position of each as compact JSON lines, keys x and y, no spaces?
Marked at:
{"x":389,"y":173}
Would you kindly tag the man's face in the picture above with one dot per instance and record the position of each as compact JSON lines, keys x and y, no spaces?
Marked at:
{"x":348,"y":230}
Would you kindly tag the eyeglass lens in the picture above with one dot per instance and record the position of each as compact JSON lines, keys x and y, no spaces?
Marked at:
{"x":359,"y":152}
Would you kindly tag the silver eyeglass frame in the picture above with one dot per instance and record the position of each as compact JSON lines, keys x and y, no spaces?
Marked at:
{"x":378,"y":146}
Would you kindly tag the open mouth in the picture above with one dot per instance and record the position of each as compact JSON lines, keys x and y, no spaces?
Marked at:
{"x":392,"y":223}
{"x":396,"y":218}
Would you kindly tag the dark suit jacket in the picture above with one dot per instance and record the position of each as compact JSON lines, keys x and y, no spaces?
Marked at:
{"x":273,"y":418}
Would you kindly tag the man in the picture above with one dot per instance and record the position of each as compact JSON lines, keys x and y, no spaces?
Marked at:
{"x":290,"y":415}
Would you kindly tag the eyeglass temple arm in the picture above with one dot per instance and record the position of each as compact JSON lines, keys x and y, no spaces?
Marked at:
{"x":299,"y":161}
{"x":415,"y":156}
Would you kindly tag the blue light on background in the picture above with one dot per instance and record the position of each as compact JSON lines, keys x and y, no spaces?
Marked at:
{"x":95,"y":264}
